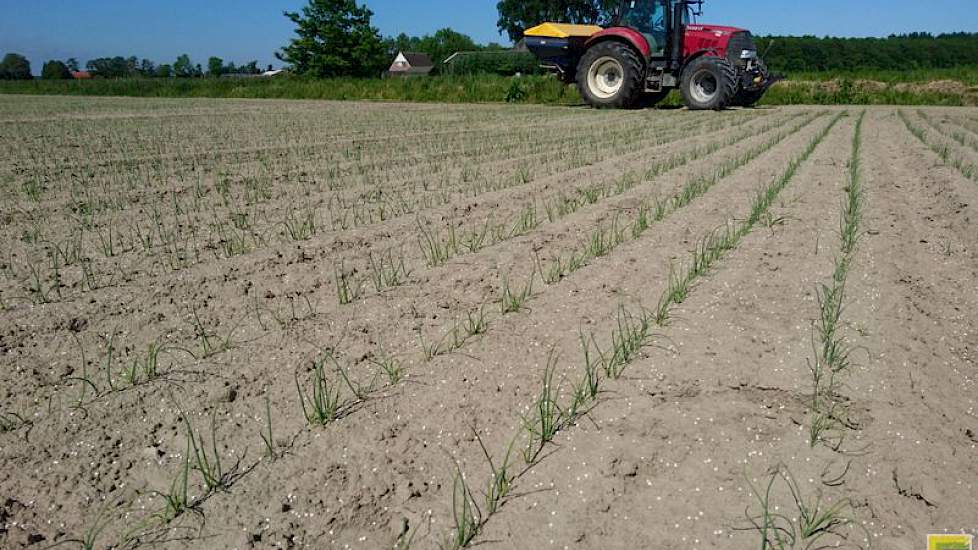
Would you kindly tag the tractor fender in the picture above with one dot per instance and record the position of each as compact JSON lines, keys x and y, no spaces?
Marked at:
{"x":709,"y":52}
{"x":625,"y":35}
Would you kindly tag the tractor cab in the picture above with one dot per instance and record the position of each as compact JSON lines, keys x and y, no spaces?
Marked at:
{"x":650,"y":18}
{"x":650,"y":48}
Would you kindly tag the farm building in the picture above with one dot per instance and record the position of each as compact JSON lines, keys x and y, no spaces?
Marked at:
{"x":410,"y":64}
{"x":81,"y":75}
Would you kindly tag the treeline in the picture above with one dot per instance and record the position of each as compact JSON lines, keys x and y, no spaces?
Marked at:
{"x":17,"y":67}
{"x":183,"y":67}
{"x":895,"y":52}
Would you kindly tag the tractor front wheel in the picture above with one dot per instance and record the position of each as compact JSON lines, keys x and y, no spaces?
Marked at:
{"x":610,"y":76}
{"x":709,"y":83}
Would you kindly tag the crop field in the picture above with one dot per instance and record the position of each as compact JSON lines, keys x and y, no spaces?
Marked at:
{"x":288,"y":324}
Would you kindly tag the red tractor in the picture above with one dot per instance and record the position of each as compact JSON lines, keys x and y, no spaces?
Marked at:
{"x":652,"y":47}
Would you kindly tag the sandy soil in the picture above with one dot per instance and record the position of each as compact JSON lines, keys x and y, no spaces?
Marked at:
{"x":173,"y":272}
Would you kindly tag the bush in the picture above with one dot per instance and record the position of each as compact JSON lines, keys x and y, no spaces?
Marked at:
{"x":504,"y":63}
{"x":517,"y":92}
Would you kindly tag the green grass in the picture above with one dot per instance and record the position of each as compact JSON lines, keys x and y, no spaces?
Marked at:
{"x":514,"y":299}
{"x":831,"y":351}
{"x":466,"y":514}
{"x":10,"y":422}
{"x":547,"y":417}
{"x":207,"y":458}
{"x":320,"y":407}
{"x":806,"y":522}
{"x":806,"y":88}
{"x":501,"y":478}
{"x":386,"y":270}
{"x":965,"y":75}
{"x":850,"y":92}
{"x":348,"y":288}
{"x":177,"y":500}
{"x":447,"y":89}
{"x":435,"y":248}
{"x":391,"y":368}
{"x":210,"y":344}
{"x":267,"y":437}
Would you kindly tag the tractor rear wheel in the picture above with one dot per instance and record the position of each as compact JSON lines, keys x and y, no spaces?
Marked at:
{"x":708,"y":83}
{"x":610,"y":75}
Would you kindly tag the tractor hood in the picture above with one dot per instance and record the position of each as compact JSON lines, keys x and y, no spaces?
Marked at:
{"x":717,"y":38}
{"x":712,"y":29}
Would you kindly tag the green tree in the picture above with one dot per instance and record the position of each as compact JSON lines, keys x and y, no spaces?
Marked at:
{"x":55,"y":70}
{"x":444,"y":43}
{"x":164,"y":71}
{"x":110,"y":67}
{"x":402,"y":43}
{"x":183,"y":67}
{"x":147,"y":68}
{"x":515,"y":16}
{"x":215,"y":66}
{"x":72,"y":64}
{"x":438,"y":46}
{"x":250,"y":67}
{"x":895,"y":52}
{"x":334,"y":38}
{"x":15,"y":67}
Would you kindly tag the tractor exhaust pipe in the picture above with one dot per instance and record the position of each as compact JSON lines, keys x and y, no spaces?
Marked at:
{"x":676,"y":53}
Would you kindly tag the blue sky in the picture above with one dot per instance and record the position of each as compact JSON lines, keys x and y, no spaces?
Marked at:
{"x":241,"y":30}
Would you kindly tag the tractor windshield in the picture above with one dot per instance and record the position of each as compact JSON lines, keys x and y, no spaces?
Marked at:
{"x":687,"y":15}
{"x":649,"y":18}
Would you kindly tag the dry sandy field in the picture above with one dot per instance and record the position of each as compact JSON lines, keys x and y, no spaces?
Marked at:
{"x":262,"y":324}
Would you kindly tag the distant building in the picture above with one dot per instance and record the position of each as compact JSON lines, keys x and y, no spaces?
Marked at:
{"x":81,"y":75}
{"x":410,"y":64}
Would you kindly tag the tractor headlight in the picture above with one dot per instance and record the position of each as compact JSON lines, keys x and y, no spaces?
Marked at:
{"x":748,"y":54}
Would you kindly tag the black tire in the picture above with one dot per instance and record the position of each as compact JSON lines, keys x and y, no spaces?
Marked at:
{"x":625,"y":96}
{"x":708,"y":83}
